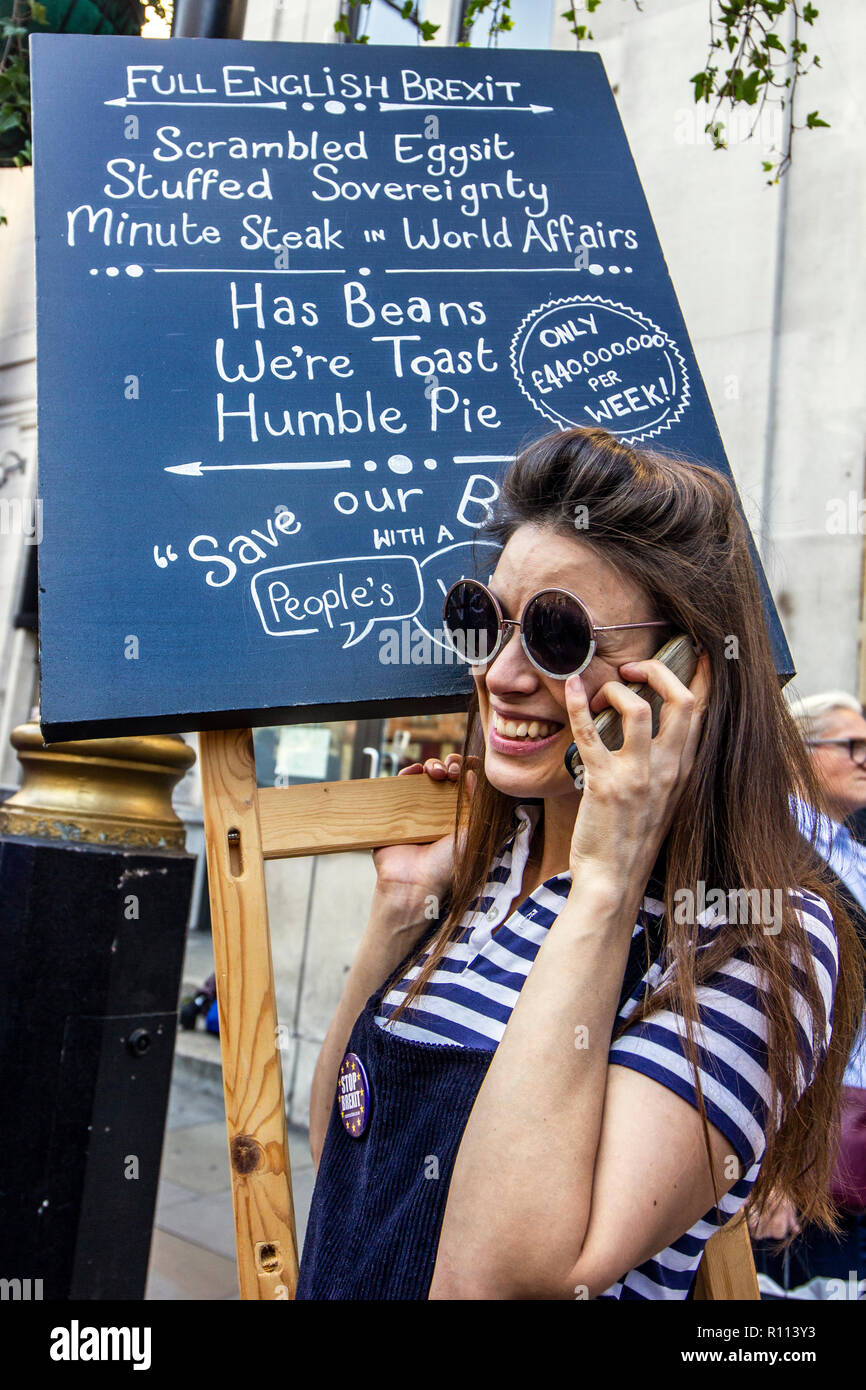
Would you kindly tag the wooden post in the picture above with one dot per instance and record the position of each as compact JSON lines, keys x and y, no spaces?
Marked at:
{"x":727,"y":1268}
{"x":267,"y":1246}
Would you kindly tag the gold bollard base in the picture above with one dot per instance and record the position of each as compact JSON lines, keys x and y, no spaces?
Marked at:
{"x":99,"y":791}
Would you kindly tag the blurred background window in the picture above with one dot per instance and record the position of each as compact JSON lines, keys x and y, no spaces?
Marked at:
{"x":289,"y":755}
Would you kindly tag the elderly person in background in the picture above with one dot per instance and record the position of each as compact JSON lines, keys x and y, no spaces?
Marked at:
{"x":834,"y":730}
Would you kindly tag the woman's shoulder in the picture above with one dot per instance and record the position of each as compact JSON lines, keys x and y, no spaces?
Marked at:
{"x":814,"y":910}
{"x":813,"y":913}
{"x":765,"y":907}
{"x":816,"y":918}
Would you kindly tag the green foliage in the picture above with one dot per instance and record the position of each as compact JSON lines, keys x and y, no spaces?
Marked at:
{"x":498,"y":15}
{"x":353,"y":28}
{"x":760,"y":39}
{"x":26,"y":17}
{"x":582,"y":31}
{"x":15,"y":83}
{"x":763,"y":67}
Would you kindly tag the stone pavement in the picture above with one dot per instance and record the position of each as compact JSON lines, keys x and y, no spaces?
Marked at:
{"x":193,"y":1248}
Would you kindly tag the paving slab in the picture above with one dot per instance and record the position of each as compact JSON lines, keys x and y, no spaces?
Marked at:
{"x":206,"y":1221}
{"x":168,"y":1195}
{"x":197,"y":1157}
{"x":189,"y":1103}
{"x":302,"y":1191}
{"x":180,"y":1270}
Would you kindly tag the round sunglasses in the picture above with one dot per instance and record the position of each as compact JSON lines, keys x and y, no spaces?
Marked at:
{"x":556,"y":629}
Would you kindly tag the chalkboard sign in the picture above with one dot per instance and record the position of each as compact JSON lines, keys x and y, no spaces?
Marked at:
{"x":297,"y":306}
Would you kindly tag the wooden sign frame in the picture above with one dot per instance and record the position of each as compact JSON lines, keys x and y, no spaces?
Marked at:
{"x":245,"y":826}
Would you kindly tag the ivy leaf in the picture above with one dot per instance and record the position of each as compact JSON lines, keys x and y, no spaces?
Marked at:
{"x":39,"y":12}
{"x":813,"y":120}
{"x":810,"y":14}
{"x":11,"y":120}
{"x":428,"y":30}
{"x":773,"y":41}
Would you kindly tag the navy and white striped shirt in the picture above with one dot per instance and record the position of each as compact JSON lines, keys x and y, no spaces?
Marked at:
{"x":470,"y":996}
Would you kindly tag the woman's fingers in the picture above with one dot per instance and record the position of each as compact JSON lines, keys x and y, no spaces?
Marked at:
{"x":589,"y":745}
{"x":437,"y":768}
{"x":683,"y":707}
{"x":700,"y":686}
{"x":778,"y":1220}
{"x":446,"y":769}
{"x":679,"y":703}
{"x":634,"y":711}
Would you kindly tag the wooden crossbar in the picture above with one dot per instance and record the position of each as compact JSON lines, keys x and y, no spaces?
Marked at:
{"x":244,"y":827}
{"x":326,"y":817}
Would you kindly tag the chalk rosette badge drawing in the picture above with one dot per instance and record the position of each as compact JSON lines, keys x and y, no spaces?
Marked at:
{"x":589,"y":361}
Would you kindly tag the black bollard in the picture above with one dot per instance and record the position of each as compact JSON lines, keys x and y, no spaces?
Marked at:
{"x":208,"y":19}
{"x":95,"y":889}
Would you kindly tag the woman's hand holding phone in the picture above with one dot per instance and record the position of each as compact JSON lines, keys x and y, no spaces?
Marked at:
{"x":630,"y":796}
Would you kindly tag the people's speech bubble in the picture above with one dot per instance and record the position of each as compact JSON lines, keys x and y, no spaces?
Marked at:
{"x":589,"y":361}
{"x":343,"y":598}
{"x":475,"y":559}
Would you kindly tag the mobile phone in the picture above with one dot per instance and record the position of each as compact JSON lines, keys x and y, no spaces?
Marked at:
{"x":680,"y":655}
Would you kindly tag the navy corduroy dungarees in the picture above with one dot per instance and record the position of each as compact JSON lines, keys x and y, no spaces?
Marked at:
{"x":375,"y":1218}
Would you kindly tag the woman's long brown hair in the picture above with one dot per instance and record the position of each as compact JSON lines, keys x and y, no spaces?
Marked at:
{"x":673,"y":527}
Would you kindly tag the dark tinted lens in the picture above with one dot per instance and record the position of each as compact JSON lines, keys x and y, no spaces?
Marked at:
{"x":471,"y":620}
{"x":557,"y":633}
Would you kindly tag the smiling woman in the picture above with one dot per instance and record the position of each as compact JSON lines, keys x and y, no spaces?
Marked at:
{"x":561,"y":1084}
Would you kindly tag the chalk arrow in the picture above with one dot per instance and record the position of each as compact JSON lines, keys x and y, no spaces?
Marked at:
{"x":483,"y":458}
{"x":133,"y":101}
{"x":195,"y":470}
{"x":416,"y":106}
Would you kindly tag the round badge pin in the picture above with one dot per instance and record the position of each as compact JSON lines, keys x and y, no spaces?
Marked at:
{"x":353,"y":1095}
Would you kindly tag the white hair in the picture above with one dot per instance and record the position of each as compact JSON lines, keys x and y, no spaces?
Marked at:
{"x":811,"y":715}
